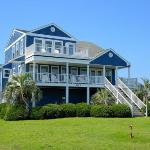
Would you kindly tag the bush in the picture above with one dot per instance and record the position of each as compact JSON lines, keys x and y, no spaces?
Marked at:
{"x":121,"y":111}
{"x":15,"y":112}
{"x":68,"y":110}
{"x":51,"y":111}
{"x":83,"y":110}
{"x":36,"y":113}
{"x":101,"y":111}
{"x":3,"y":107}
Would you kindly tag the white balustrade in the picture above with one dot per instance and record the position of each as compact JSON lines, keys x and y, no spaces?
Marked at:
{"x":131,"y":95}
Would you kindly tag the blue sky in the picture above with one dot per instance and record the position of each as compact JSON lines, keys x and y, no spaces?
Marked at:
{"x":123,"y":25}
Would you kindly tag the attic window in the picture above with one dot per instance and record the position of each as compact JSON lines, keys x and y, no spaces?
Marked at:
{"x":53,"y":29}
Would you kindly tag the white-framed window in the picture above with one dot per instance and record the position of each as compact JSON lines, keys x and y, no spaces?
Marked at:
{"x":21,"y":47}
{"x":92,"y":72}
{"x":38,"y":45}
{"x":48,"y":45}
{"x":58,"y":46}
{"x":17,"y":49}
{"x":71,"y":48}
{"x":99,"y":72}
{"x":6,"y":73}
{"x":31,"y":68}
{"x":74,"y":71}
{"x":63,"y":70}
{"x":83,"y":71}
{"x":13,"y":51}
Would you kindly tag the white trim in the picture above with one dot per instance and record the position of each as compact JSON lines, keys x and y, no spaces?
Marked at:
{"x":42,"y":66}
{"x":67,"y":45}
{"x":49,"y":40}
{"x":34,"y":43}
{"x":4,"y":72}
{"x":14,"y":42}
{"x":50,"y":36}
{"x":52,"y":24}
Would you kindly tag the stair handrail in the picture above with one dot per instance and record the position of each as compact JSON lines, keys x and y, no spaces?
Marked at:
{"x":131,"y":94}
{"x":119,"y":95}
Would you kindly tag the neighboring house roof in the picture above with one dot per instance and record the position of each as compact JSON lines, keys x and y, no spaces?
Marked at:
{"x":93,"y":49}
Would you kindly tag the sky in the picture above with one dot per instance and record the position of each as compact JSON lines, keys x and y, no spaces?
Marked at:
{"x":123,"y":25}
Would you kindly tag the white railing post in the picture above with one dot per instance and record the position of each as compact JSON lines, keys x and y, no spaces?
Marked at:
{"x":34,"y":65}
{"x":67,"y":82}
{"x":88,"y":89}
{"x":116,"y":75}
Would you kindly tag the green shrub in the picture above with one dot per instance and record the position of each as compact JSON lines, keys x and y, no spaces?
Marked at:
{"x":101,"y":111}
{"x":68,"y":110}
{"x":121,"y":111}
{"x":83,"y":110}
{"x":51,"y":111}
{"x":36,"y":113}
{"x":3,"y":107}
{"x":15,"y":112}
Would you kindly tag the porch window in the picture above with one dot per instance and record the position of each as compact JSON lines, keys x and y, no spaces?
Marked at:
{"x":38,"y":45}
{"x":58,"y":46}
{"x":83,"y":71}
{"x":48,"y":46}
{"x":6,"y":73}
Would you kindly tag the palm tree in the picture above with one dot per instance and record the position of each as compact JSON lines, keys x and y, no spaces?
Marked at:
{"x":20,"y":89}
{"x":143,"y":91}
{"x":102,"y":96}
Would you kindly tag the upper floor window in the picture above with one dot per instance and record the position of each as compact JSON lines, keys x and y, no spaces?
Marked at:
{"x":6,"y":73}
{"x":13,"y":51}
{"x":21,"y":47}
{"x":58,"y":46}
{"x":17,"y":49}
{"x":71,"y":49}
{"x":48,"y":46}
{"x":38,"y":45}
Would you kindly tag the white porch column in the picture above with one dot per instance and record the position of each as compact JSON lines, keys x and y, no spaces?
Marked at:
{"x":34,"y":77}
{"x":88,"y":88}
{"x":129,"y":73}
{"x":104,"y":73}
{"x":67,"y":82}
{"x":116,"y":75}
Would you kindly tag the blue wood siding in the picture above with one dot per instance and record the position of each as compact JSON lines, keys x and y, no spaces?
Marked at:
{"x":106,"y":60}
{"x":14,"y":37}
{"x":47,"y":31}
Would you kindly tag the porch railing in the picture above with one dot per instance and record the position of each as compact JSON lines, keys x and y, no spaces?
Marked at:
{"x":72,"y":79}
{"x":132,"y":83}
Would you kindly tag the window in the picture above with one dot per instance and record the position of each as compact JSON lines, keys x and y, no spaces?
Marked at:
{"x":71,"y":49}
{"x":13,"y":51}
{"x":48,"y":46}
{"x":38,"y":45}
{"x":65,"y":50}
{"x":6,"y":73}
{"x":21,"y":47}
{"x":63,"y":70}
{"x":74,"y":70}
{"x":17,"y":49}
{"x":58,"y":46}
{"x":31,"y":68}
{"x":83,"y":71}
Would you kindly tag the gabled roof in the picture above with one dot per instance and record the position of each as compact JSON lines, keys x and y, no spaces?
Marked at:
{"x":110,"y":57}
{"x":47,"y":31}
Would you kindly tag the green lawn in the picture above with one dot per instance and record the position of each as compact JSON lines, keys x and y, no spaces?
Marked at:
{"x":75,"y":134}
